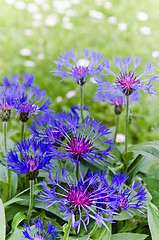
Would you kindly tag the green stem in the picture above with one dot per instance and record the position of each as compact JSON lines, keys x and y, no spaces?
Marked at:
{"x":81,"y":103}
{"x":117,"y":126}
{"x":67,"y":230}
{"x":31,"y":203}
{"x":77,"y":172}
{"x":126,"y":123}
{"x":60,"y":164}
{"x":5,"y":150}
{"x":22,"y":132}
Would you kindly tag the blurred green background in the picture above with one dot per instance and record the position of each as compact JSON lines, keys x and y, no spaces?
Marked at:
{"x":34,"y":33}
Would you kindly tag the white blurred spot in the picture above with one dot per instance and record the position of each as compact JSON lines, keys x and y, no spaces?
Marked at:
{"x":122,"y":26}
{"x":107,"y":4}
{"x":76,"y":2}
{"x":67,"y":25}
{"x":112,"y":20}
{"x":145,"y":30}
{"x":51,"y":20}
{"x":59,"y":99}
{"x":20,"y":5}
{"x":71,"y":13}
{"x":41,"y":56}
{"x":155,"y":54}
{"x":39,"y":2}
{"x":25,"y":52}
{"x":45,"y":6}
{"x":92,"y":80}
{"x":65,"y":19}
{"x":37,"y":16}
{"x":10,"y":1}
{"x":28,"y":32}
{"x":96,"y":14}
{"x":29,"y":63}
{"x":99,"y":2}
{"x":32,"y":8}
{"x":61,"y":6}
{"x":36,"y":23}
{"x":70,"y":94}
{"x":120,"y":138}
{"x":83,"y":62}
{"x":142,"y":16}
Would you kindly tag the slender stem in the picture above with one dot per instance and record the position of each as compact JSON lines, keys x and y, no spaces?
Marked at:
{"x":31,"y":203}
{"x":81,"y":103}
{"x":117,"y":126}
{"x":77,"y":172}
{"x":5,"y":150}
{"x":22,"y":132}
{"x":126,"y":123}
{"x":67,"y":230}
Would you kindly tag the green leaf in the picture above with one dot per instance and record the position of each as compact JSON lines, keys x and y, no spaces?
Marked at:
{"x":146,"y":150}
{"x":13,"y":200}
{"x":153,"y":187}
{"x":129,"y":236}
{"x":2,"y":222}
{"x":102,"y":233}
{"x":153,"y":220}
{"x":14,"y":184}
{"x":20,"y":216}
{"x":127,"y":157}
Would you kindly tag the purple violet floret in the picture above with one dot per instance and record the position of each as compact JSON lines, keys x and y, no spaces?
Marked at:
{"x":28,"y":157}
{"x":69,"y":66}
{"x":79,"y":200}
{"x":29,"y":104}
{"x":128,"y":81}
{"x":83,"y":143}
{"x":42,"y":231}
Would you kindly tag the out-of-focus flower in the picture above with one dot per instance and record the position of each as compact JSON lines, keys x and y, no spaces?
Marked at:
{"x":68,"y":66}
{"x":41,"y":233}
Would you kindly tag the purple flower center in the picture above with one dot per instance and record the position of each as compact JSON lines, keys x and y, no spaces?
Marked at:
{"x":81,"y":70}
{"x":127,"y":82}
{"x":26,"y":107}
{"x":79,"y":197}
{"x":123,"y":202}
{"x":37,"y":237}
{"x":79,"y":146}
{"x":5,"y":106}
{"x":32,"y":164}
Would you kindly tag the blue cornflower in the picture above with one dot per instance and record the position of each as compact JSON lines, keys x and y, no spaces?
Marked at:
{"x":28,"y":105}
{"x":89,"y":142}
{"x":50,"y":126}
{"x":28,"y":157}
{"x":79,"y":200}
{"x":127,"y":81}
{"x":127,"y":198}
{"x":69,"y":66}
{"x":14,"y":81}
{"x":42,"y":231}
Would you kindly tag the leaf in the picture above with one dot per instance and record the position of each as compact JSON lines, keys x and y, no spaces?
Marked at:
{"x":102,"y":233}
{"x":14,"y":184}
{"x":129,"y":236}
{"x":2,"y":222}
{"x":146,"y":150}
{"x":13,"y":200}
{"x":20,"y":216}
{"x":153,"y":220}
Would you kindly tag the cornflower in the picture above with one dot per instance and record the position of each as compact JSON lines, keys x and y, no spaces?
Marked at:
{"x":127,"y":81}
{"x":89,"y":142}
{"x":28,"y":157}
{"x":42,"y":231}
{"x":79,"y":200}
{"x":69,"y":66}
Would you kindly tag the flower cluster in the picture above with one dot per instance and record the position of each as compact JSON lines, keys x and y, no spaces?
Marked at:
{"x":69,"y":66}
{"x":93,"y":197}
{"x":41,"y":233}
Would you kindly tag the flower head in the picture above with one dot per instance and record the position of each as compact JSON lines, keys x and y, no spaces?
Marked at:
{"x":79,"y":199}
{"x":69,"y":66}
{"x":83,"y":142}
{"x":42,"y":231}
{"x":128,"y":81}
{"x":28,"y":157}
{"x":27,"y":105}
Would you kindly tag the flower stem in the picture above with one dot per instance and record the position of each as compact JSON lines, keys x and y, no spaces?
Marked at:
{"x":67,"y":230}
{"x":117,"y":125}
{"x":5,"y":150}
{"x":31,"y":203}
{"x":81,"y":104}
{"x":126,"y":123}
{"x":22,"y":132}
{"x":77,"y":171}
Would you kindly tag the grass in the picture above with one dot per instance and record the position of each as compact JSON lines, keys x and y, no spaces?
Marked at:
{"x":91,"y":33}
